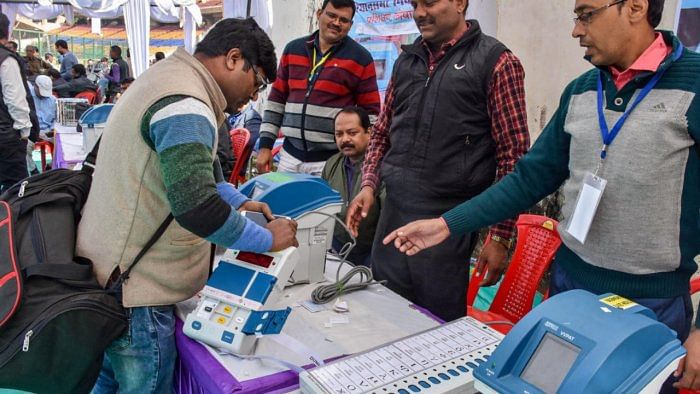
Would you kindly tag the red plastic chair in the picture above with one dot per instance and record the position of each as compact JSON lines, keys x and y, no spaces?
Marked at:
{"x":239,"y":145}
{"x":537,"y":244}
{"x":89,"y":95}
{"x":44,"y":146}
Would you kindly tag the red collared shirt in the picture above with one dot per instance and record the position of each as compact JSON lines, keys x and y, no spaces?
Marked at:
{"x":506,"y":107}
{"x":647,"y":61}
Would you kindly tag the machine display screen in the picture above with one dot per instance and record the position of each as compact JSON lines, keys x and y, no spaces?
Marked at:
{"x":550,"y":363}
{"x":261,"y":260}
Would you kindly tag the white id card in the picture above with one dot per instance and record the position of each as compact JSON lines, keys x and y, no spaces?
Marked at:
{"x":586,"y":206}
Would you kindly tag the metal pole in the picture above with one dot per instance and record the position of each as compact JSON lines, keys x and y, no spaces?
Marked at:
{"x":247,"y":12}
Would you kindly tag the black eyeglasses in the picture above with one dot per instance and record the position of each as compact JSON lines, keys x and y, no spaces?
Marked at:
{"x":585,"y":17}
{"x":260,"y":81}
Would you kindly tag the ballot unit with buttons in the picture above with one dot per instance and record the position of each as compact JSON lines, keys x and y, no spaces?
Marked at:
{"x":230,"y":314}
{"x":439,"y":360}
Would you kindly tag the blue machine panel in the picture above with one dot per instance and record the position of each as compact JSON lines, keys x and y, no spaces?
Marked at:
{"x":231,"y":278}
{"x":266,"y":322}
{"x":261,"y":287}
{"x":290,"y":194}
{"x":227,"y":337}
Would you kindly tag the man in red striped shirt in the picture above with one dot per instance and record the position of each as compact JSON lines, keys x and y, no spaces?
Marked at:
{"x":318,"y":76}
{"x":454,"y":121}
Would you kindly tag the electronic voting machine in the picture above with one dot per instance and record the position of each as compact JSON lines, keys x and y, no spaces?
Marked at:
{"x":438,"y":360}
{"x":230,"y":314}
{"x":577,"y":342}
{"x":311,"y":202}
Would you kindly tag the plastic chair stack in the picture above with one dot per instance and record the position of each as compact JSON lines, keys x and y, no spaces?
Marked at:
{"x":536,"y":246}
{"x":239,"y":145}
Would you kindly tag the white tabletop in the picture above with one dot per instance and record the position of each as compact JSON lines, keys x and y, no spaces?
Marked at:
{"x":377,"y":315}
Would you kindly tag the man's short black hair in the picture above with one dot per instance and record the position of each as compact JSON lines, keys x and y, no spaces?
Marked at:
{"x":360,"y":112}
{"x":160,"y":56}
{"x":80,"y":70}
{"x":244,"y":34}
{"x":340,"y":4}
{"x":61,"y":44}
{"x":55,"y":74}
{"x":13,"y":44}
{"x":4,"y":27}
{"x":655,"y":12}
{"x":117,"y":49}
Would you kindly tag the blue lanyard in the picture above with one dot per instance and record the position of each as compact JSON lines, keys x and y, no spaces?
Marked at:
{"x":609,"y":135}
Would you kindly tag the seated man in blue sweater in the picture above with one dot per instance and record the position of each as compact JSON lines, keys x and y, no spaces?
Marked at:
{"x":641,"y":104}
{"x":45,"y":104}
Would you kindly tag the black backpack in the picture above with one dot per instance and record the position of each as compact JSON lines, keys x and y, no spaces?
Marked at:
{"x":55,"y":318}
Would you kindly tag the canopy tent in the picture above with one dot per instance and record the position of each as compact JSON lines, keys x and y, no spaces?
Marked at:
{"x":137,"y":16}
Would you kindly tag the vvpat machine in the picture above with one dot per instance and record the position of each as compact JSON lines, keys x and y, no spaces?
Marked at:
{"x":230,"y":314}
{"x":575,"y":342}
{"x":92,"y":123}
{"x":312,"y":203}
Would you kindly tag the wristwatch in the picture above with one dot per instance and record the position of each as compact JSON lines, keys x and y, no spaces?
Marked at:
{"x":503,"y":241}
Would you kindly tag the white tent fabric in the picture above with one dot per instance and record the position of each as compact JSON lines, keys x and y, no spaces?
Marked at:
{"x":190,"y":33}
{"x":259,"y":10}
{"x":96,"y":26}
{"x":137,"y":17}
{"x":98,"y":5}
{"x":162,"y":16}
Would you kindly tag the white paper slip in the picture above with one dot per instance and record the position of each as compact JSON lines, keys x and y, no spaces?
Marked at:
{"x":313,"y":308}
{"x":586,"y":206}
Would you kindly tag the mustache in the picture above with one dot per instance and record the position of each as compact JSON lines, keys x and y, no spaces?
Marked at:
{"x":347,"y":145}
{"x":424,"y":20}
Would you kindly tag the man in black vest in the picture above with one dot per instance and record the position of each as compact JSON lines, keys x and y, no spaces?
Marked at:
{"x":453,"y":121}
{"x":119,"y":71}
{"x":18,"y":121}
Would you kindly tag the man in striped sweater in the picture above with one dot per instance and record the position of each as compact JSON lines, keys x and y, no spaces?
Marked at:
{"x":645,"y":231}
{"x":318,"y":76}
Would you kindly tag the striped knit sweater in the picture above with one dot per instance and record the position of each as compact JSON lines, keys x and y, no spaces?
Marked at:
{"x":304,"y":108}
{"x":646,"y":231}
{"x":182,"y":131}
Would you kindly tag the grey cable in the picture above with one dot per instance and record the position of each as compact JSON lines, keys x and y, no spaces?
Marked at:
{"x":326,"y":293}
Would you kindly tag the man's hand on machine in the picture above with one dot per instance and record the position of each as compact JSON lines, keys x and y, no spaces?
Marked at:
{"x":359,"y":208}
{"x":284,"y":234}
{"x":263,"y":162}
{"x":689,"y":367}
{"x":256,"y":206}
{"x":419,"y":235}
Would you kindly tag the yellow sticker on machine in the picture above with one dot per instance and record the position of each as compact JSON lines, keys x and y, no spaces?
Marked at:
{"x":618,"y":302}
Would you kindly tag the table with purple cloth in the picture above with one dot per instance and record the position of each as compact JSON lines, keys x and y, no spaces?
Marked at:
{"x":68,"y":147}
{"x":376,"y":316}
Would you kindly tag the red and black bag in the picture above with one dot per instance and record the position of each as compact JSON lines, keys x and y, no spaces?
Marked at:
{"x":55,"y":318}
